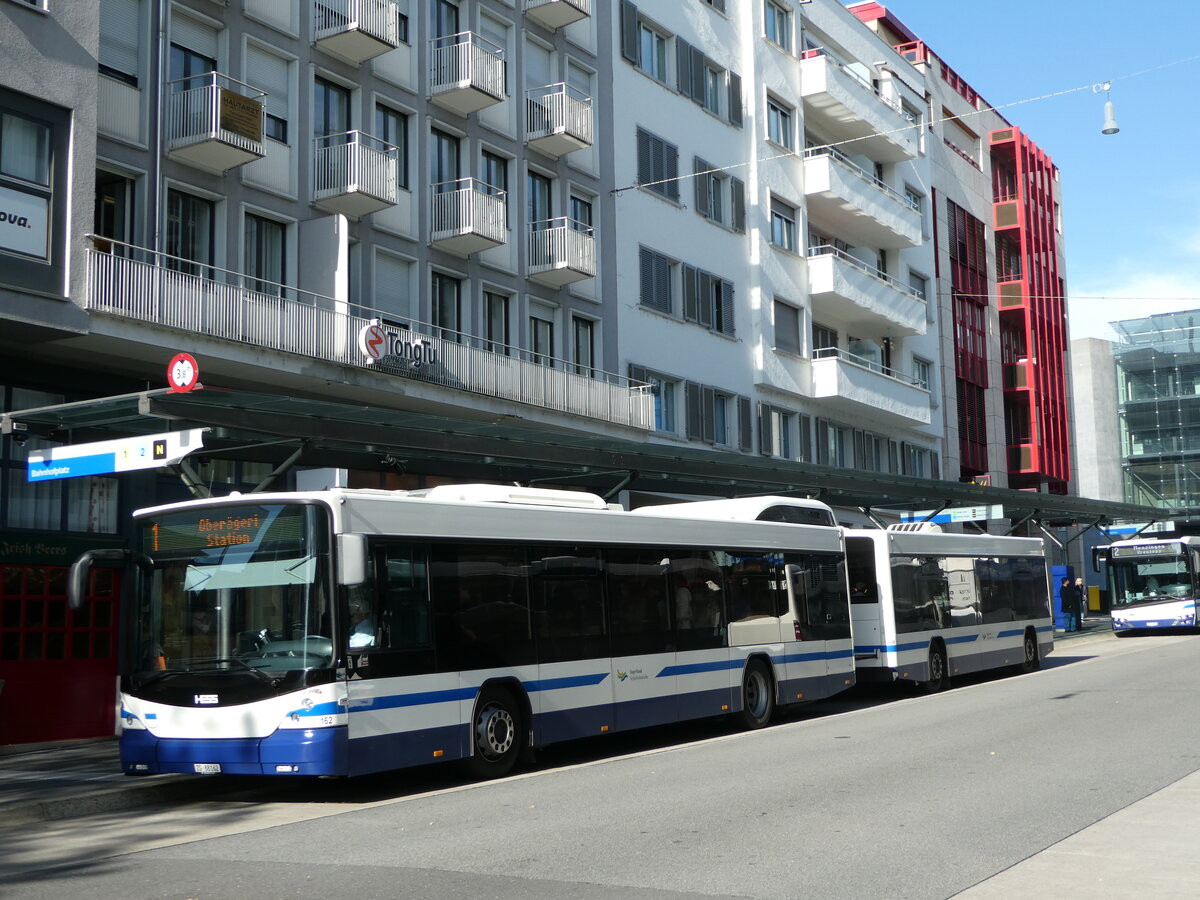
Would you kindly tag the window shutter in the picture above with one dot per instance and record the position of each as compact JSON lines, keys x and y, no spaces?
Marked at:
{"x":629,"y":32}
{"x":683,"y":66}
{"x":737,"y":190}
{"x":735,"y":99}
{"x":703,"y":204}
{"x":637,"y":373}
{"x":704,"y":288}
{"x":120,"y":22}
{"x":698,"y":74}
{"x":391,"y":295}
{"x":693,"y":399}
{"x":646,"y":276}
{"x":662,"y":282}
{"x":690,"y":294}
{"x":726,"y":306}
{"x":708,"y":402}
{"x":194,"y":35}
{"x":269,"y":73}
{"x":643,"y":157}
{"x":670,"y":171}
{"x":745,"y":425}
{"x":765,"y":440}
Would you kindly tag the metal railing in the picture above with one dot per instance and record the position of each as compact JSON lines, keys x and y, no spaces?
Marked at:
{"x":353,"y":161}
{"x":558,"y":108}
{"x":828,"y":250}
{"x":194,"y":111}
{"x":584,"y":6}
{"x":845,"y":162}
{"x":160,"y":290}
{"x":377,"y":18}
{"x":894,"y":105}
{"x":468,"y":206}
{"x":466,"y":60}
{"x":562,"y":241}
{"x":864,"y":362}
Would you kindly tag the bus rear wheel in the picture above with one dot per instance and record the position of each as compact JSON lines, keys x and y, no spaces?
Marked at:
{"x":938,"y":679}
{"x":1032,"y":661}
{"x":758,"y":696}
{"x":496,"y":728}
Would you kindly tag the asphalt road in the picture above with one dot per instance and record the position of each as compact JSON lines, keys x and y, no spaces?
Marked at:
{"x":881,"y":794}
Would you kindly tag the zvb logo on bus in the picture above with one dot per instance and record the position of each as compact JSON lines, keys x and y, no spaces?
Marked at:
{"x":379,"y":344}
{"x":632,"y":675}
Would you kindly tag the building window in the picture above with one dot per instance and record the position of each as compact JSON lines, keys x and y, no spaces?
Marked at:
{"x":443,"y":18}
{"x":655,"y":280}
{"x":495,"y":322}
{"x":331,"y":108}
{"x":581,"y":213}
{"x":787,"y":328}
{"x":443,"y":161}
{"x":120,"y":32}
{"x":541,"y":338}
{"x":537,"y":198}
{"x":831,"y":444}
{"x":707,"y":300}
{"x":391,"y":127}
{"x":707,"y":416}
{"x":915,"y":198}
{"x":265,"y":259}
{"x":922,"y":369}
{"x":393,"y":289}
{"x":775,"y":431}
{"x":187,"y":66}
{"x":778,"y":24}
{"x":269,"y":73}
{"x":191,"y":230}
{"x":714,"y":88}
{"x":658,"y":165}
{"x":779,"y":124}
{"x":585,"y":346}
{"x":662,"y":389}
{"x":823,"y":339}
{"x":24,"y":149}
{"x":446,"y":303}
{"x":652,"y":55}
{"x":710,"y":191}
{"x":113,"y":215}
{"x":783,"y":225}
{"x":919,"y":284}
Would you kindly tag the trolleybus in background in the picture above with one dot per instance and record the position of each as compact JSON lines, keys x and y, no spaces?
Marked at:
{"x":351,"y":631}
{"x":928,"y":605}
{"x":1153,"y":583}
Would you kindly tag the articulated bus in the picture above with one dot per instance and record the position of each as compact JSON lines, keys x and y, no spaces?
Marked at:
{"x":1154,"y":583}
{"x":343,"y":632}
{"x":927,"y":605}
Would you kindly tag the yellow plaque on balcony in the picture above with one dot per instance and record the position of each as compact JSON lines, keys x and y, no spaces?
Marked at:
{"x":241,"y":115}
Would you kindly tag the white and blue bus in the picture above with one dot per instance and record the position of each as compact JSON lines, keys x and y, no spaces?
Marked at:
{"x":343,"y":632}
{"x":927,"y":606}
{"x":1153,"y":583}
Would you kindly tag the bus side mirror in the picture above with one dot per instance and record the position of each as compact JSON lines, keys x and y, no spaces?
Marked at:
{"x":77,"y":579}
{"x":351,"y":559}
{"x":1100,"y":555}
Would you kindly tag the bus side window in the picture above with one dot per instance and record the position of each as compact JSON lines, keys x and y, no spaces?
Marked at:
{"x":404,"y":620}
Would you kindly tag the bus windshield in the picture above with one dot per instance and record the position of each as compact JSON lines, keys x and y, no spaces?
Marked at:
{"x":232,"y":587}
{"x":1150,"y":579}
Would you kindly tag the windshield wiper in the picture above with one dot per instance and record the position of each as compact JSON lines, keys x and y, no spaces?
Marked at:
{"x":209,"y":664}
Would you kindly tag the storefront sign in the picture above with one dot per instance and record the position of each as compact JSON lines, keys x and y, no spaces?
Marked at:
{"x":241,"y":115}
{"x":380,"y":344}
{"x":23,"y":223}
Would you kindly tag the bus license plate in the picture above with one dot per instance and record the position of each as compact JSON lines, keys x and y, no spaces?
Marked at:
{"x":207,"y":768}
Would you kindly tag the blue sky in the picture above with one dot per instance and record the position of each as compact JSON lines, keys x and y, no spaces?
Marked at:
{"x":1131,"y":201}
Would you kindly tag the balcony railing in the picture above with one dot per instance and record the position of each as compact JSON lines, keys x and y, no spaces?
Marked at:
{"x":162,"y":291}
{"x":561,"y":251}
{"x":214,"y":122}
{"x":849,"y":201}
{"x":466,"y":72}
{"x":557,"y":13}
{"x":468,"y":216}
{"x":828,"y":250}
{"x":850,"y":108}
{"x":559,"y":119}
{"x":354,"y":173}
{"x":866,"y":363}
{"x":356,"y":30}
{"x":859,"y":172}
{"x":855,"y":385}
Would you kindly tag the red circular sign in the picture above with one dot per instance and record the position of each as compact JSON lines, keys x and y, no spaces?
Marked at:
{"x":372,"y":340}
{"x":183,"y":373}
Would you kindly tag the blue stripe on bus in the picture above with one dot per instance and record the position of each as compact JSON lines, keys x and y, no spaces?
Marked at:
{"x":399,"y":700}
{"x":321,"y":709}
{"x":720,"y":665}
{"x":1016,"y":632}
{"x":567,"y":681}
{"x":961,"y":639}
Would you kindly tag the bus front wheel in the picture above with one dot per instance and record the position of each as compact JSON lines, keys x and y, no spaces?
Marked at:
{"x":497,"y":733}
{"x":937,"y":671}
{"x":758,"y":697}
{"x":1032,"y":661}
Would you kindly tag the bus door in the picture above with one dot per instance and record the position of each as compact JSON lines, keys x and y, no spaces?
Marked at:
{"x":822,"y":662}
{"x":865,"y":591}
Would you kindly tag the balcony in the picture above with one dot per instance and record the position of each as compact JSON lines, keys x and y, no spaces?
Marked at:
{"x":555,"y":14}
{"x":354,"y":174}
{"x":466,"y":72}
{"x":356,"y":30}
{"x":854,"y":204}
{"x":160,"y":292}
{"x":468,"y":216}
{"x":214,"y":122}
{"x":847,"y":107}
{"x":561,"y":251}
{"x":559,"y":119}
{"x":849,"y":293}
{"x":854,"y":386}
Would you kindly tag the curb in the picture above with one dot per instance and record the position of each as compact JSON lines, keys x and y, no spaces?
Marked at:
{"x":117,"y":798}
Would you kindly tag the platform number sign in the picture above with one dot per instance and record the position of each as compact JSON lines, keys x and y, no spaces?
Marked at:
{"x":182,"y":373}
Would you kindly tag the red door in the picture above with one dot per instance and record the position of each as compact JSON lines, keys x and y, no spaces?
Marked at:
{"x":58,"y":667}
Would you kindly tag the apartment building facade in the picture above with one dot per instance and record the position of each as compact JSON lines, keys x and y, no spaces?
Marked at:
{"x":692,"y":223}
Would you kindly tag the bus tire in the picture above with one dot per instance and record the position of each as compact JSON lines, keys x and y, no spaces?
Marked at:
{"x":758,"y":696}
{"x":939,"y":677}
{"x":1032,"y":660}
{"x":496,"y":731}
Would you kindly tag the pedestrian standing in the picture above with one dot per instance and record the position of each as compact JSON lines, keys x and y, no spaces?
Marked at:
{"x":1069,"y":598}
{"x":1083,"y":599}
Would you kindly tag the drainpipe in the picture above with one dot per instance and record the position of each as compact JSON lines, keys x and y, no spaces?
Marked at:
{"x":157,"y":123}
